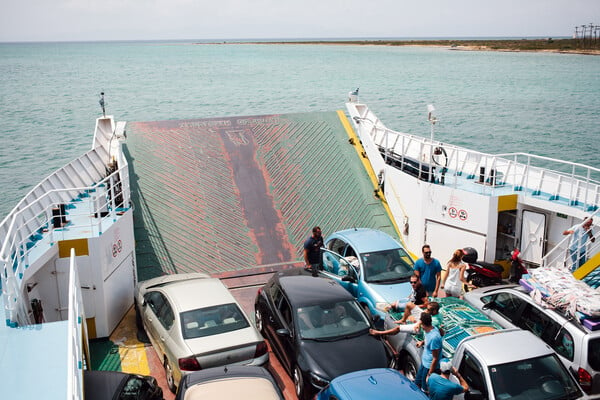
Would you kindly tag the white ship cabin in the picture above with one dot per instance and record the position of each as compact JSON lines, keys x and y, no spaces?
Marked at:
{"x":68,"y":270}
{"x":451,"y":197}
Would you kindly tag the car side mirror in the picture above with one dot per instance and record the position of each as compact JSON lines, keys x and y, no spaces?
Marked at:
{"x":489,"y":306}
{"x":144,"y":303}
{"x":474,"y":394}
{"x":348,"y":278}
{"x":283,"y":332}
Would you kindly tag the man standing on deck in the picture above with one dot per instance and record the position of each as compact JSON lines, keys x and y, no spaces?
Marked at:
{"x":440,"y":385}
{"x":581,"y":233}
{"x":312,"y":251}
{"x":432,"y":350}
{"x":429,"y":270}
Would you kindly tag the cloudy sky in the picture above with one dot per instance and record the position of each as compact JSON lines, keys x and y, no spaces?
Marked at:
{"x":70,"y":20}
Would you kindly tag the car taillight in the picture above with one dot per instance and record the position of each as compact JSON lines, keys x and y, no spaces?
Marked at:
{"x":261,"y":349}
{"x":585,"y":380}
{"x":189,"y":364}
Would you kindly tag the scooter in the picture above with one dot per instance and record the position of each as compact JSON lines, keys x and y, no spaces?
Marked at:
{"x":481,"y":273}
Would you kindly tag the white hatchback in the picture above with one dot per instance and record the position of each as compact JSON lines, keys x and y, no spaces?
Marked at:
{"x":194,"y":323}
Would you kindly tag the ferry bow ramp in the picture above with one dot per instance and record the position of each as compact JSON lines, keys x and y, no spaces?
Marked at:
{"x":239,"y":195}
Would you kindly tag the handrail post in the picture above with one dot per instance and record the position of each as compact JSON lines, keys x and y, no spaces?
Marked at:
{"x":112,"y":193}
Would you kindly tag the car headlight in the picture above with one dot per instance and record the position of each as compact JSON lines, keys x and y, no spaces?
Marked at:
{"x":318,"y":381}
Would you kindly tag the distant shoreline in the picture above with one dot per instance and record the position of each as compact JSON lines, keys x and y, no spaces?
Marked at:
{"x":566,"y":46}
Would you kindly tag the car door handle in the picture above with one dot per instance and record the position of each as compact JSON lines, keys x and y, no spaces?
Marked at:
{"x":162,"y":339}
{"x":149,"y":319}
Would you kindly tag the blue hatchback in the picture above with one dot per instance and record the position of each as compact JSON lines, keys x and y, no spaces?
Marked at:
{"x":377,"y":383}
{"x":371,"y":265}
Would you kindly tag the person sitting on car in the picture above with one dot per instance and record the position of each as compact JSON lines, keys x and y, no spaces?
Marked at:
{"x":418,"y":301}
{"x":433,"y":308}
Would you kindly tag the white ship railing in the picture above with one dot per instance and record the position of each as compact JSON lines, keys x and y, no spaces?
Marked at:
{"x":572,"y":184}
{"x":77,"y":335}
{"x":83,"y":198}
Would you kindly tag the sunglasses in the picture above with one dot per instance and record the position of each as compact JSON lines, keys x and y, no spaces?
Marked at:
{"x":413,"y":282}
{"x":427,"y":253}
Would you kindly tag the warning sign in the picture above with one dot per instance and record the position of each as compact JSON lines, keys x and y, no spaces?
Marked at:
{"x":453,"y":212}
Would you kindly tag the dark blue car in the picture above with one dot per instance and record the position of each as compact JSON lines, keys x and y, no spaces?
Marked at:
{"x":369,"y":384}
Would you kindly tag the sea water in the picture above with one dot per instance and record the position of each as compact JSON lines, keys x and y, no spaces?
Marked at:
{"x":495,"y":102}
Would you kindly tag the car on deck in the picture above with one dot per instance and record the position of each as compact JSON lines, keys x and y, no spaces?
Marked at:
{"x":371,"y":265}
{"x":193,"y":323}
{"x":233,"y":382}
{"x":577,"y":346}
{"x":376,"y":383}
{"x":317,"y":329}
{"x":113,"y":385}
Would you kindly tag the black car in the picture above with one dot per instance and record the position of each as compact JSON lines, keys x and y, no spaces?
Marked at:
{"x":231,"y":382}
{"x":316,"y":328}
{"x":112,"y":385}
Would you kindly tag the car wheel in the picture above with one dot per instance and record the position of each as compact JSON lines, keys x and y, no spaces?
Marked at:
{"x":298,"y":383}
{"x":258,"y":320}
{"x":169,"y":376}
{"x":409,"y":366}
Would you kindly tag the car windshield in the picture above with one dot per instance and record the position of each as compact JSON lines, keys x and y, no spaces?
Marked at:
{"x":212,"y":320}
{"x":387,"y":266}
{"x":331,"y":321}
{"x":542,"y":378}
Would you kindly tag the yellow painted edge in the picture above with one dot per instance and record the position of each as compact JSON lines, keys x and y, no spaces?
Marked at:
{"x":134,"y":359}
{"x":587,"y":268}
{"x":365,"y":161}
{"x":80,"y":246}
{"x":91,"y":327}
{"x":132,"y":352}
{"x":508,"y":202}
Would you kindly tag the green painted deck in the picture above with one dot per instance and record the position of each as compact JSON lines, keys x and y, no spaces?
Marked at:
{"x":239,"y":195}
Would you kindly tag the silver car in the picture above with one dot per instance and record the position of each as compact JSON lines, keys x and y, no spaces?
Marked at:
{"x":577,"y":346}
{"x":194,"y":323}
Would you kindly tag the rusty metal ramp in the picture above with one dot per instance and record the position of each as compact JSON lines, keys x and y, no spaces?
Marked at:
{"x":239,"y":195}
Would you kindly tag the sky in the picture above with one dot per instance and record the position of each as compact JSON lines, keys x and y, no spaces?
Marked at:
{"x":100,"y":20}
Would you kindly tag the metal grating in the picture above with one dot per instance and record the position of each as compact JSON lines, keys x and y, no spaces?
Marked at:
{"x":239,"y":195}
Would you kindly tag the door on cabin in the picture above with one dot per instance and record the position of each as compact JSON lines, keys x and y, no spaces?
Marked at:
{"x":533,"y":237}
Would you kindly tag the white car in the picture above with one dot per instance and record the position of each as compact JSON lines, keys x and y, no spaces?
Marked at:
{"x":194,"y":323}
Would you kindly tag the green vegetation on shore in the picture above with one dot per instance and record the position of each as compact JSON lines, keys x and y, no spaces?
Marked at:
{"x":555,"y":45}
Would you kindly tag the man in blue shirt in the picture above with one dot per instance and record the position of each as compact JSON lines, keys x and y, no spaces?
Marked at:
{"x":429,"y":270}
{"x":432,"y":350}
{"x":440,"y":385}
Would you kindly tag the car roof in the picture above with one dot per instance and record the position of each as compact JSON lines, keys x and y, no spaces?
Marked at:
{"x":492,"y":346}
{"x":302,"y":289}
{"x":249,"y":379}
{"x":384,"y":383}
{"x":366,"y":240}
{"x":102,"y":385}
{"x":192,"y":294}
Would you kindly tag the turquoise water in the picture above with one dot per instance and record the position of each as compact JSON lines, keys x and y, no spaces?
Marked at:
{"x":495,"y":102}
